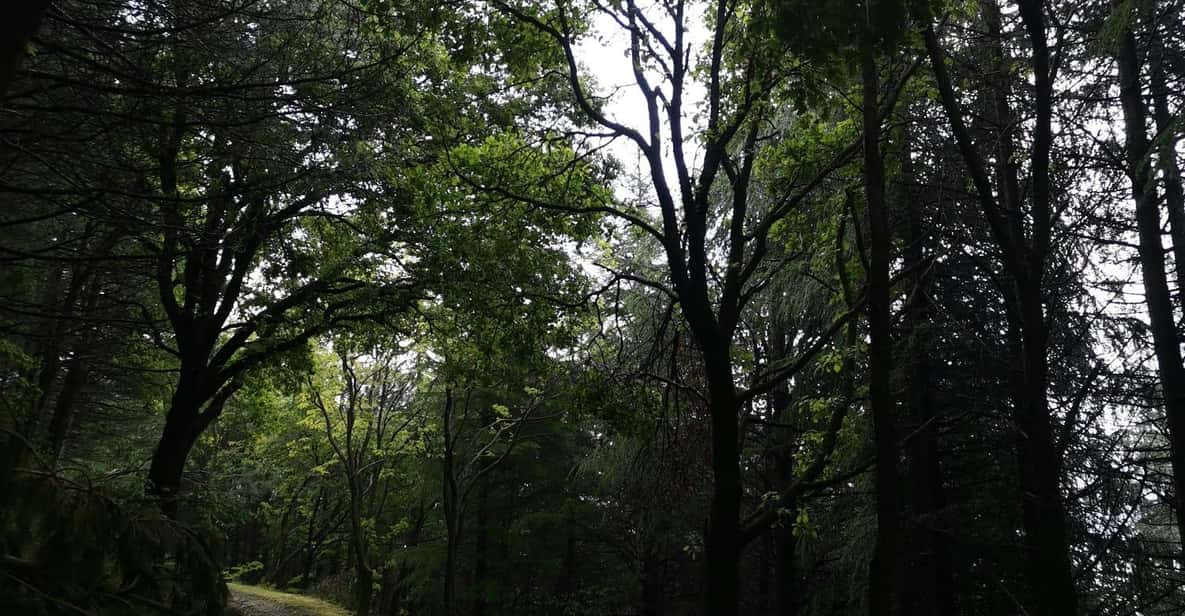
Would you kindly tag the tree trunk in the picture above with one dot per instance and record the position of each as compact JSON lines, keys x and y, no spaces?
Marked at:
{"x":54,"y":315}
{"x":363,"y":588}
{"x":785,"y":574}
{"x":21,"y":22}
{"x":884,"y":561}
{"x":1050,"y":571}
{"x":1152,"y":263}
{"x":364,"y":576}
{"x":77,"y":370}
{"x":168,"y":461}
{"x":311,"y":542}
{"x":390,"y":592}
{"x":481,"y":563}
{"x":1047,"y":560}
{"x":652,"y":584}
{"x":193,"y":408}
{"x":722,"y":549}
{"x":63,"y":414}
{"x":566,"y":584}
{"x":1174,"y":191}
{"x":450,"y":571}
{"x":929,"y":587}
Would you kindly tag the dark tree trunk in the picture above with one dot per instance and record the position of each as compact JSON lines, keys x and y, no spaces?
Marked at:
{"x":652,"y":584}
{"x":928,"y":587}
{"x":1049,"y":569}
{"x":55,"y":309}
{"x":722,"y":550}
{"x":390,"y":592}
{"x":363,"y":589}
{"x":363,"y":574}
{"x":883,"y":568}
{"x":566,"y":584}
{"x":1152,"y":263}
{"x":63,"y":414}
{"x":782,"y":542}
{"x":1174,"y":191}
{"x":194,"y":406}
{"x":168,"y":461}
{"x":21,"y":21}
{"x":311,"y":543}
{"x":1047,"y":560}
{"x":786,"y":585}
{"x":450,"y":573}
{"x":481,"y":565}
{"x":77,"y":370}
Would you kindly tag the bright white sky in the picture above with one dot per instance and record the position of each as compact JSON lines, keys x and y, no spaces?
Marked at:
{"x":604,"y":56}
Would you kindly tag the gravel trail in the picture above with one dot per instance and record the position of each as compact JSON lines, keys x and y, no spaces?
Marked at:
{"x":255,"y":601}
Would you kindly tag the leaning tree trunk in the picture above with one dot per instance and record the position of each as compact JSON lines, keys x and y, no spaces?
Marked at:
{"x":191,"y":411}
{"x":168,"y":461}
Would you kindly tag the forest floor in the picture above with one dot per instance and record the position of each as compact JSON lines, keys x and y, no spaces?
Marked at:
{"x":257,"y":601}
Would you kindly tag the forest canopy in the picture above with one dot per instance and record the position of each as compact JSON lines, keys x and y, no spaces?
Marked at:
{"x":653,"y":307}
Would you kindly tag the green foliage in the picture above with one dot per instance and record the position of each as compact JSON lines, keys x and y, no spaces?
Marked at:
{"x":70,"y":546}
{"x":833,"y":30}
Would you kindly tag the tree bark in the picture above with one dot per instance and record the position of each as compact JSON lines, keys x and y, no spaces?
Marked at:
{"x":481,"y":564}
{"x":168,"y":461}
{"x":190,"y":412}
{"x":786,"y":585}
{"x":1048,"y":565}
{"x":783,"y":542}
{"x":77,"y":369}
{"x":882,"y":591}
{"x":364,"y":576}
{"x":722,"y":549}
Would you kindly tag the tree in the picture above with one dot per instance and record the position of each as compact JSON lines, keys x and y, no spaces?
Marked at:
{"x":713,"y":234}
{"x":1024,"y":251}
{"x":1152,"y":254}
{"x":365,"y":414}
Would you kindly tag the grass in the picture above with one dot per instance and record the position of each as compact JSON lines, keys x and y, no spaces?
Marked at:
{"x":299,"y":604}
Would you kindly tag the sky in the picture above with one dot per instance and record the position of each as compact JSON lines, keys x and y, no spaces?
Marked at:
{"x":604,"y":56}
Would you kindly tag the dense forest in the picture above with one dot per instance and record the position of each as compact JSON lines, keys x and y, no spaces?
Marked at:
{"x":653,"y":307}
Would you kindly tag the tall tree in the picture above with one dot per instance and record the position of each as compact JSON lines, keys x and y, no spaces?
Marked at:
{"x":1024,"y":251}
{"x":1140,"y":165}
{"x":712,"y":233}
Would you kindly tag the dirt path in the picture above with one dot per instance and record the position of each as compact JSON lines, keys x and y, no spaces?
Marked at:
{"x":256,"y":601}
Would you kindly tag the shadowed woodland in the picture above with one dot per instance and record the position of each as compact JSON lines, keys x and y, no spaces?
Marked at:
{"x":591,"y":307}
